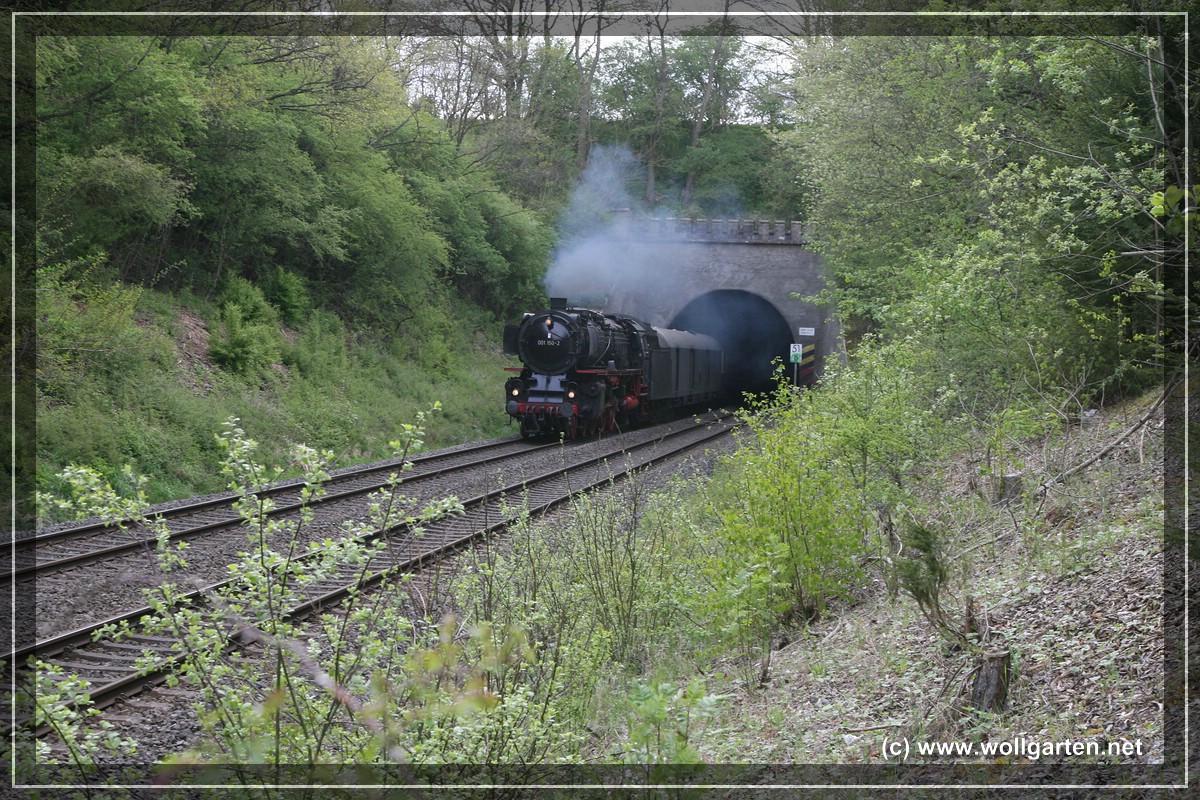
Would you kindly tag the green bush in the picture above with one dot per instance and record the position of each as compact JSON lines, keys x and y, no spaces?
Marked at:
{"x":608,"y":599}
{"x":320,"y":349}
{"x":664,"y":724}
{"x":242,"y":346}
{"x":799,"y":505}
{"x":87,"y":329}
{"x":288,"y":292}
{"x":789,"y":515}
{"x":250,"y":301}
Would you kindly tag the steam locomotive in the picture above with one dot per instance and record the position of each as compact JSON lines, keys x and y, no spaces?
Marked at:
{"x":585,"y":372}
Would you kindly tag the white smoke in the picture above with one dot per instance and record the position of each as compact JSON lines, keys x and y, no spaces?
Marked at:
{"x":599,"y":261}
{"x":606,"y":263}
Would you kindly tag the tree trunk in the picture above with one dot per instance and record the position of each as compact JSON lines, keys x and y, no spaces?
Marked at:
{"x":989,"y":692}
{"x":588,"y":77}
{"x":710,"y":81}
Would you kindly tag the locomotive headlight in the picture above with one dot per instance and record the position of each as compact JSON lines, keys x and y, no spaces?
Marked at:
{"x":516,"y":392}
{"x":571,"y":394}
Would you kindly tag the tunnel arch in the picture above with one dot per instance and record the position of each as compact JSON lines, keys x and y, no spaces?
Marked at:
{"x":750,"y":329}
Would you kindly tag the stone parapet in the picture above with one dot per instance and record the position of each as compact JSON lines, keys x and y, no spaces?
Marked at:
{"x":741,"y":231}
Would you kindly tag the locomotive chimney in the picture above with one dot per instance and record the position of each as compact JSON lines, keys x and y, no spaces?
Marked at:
{"x":557,"y":303}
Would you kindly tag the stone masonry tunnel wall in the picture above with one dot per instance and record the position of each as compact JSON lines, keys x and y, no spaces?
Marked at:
{"x":655,"y":281}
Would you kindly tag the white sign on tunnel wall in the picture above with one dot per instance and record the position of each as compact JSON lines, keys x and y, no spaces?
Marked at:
{"x":797,"y":353}
{"x":807,"y":331}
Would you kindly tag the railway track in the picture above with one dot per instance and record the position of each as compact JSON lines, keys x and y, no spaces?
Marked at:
{"x":111,"y":666}
{"x":95,"y":541}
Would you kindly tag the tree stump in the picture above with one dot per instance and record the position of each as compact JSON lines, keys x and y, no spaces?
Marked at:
{"x":1010,"y":488}
{"x":989,"y":692}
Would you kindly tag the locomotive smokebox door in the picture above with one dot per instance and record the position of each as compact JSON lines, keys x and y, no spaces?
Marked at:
{"x":510,"y":339}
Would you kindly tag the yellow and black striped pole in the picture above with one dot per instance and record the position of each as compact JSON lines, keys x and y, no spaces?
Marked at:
{"x":804,"y":363}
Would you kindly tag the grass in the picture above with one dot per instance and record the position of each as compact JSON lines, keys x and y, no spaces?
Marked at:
{"x":1073,"y":596}
{"x":160,"y":405}
{"x":1077,"y":599}
{"x":1068,"y":585}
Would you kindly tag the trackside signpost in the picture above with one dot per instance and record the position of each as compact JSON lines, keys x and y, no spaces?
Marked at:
{"x":803,"y":354}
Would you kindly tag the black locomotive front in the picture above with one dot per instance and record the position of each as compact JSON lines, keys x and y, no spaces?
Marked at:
{"x":585,"y":372}
{"x":581,"y":370}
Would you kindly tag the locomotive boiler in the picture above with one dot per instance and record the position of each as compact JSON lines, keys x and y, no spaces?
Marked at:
{"x":585,"y":372}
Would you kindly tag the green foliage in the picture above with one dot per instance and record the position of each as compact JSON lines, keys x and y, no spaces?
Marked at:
{"x":1009,"y":231}
{"x":790,"y":517}
{"x":657,"y":87}
{"x":320,"y":348}
{"x":249,"y":301}
{"x":605,"y":602}
{"x":808,"y":499}
{"x":110,"y":195}
{"x":119,"y":116}
{"x":502,"y":713}
{"x":87,"y":327}
{"x":248,"y":339}
{"x":785,"y":181}
{"x":728,"y":182}
{"x":884,"y":422}
{"x":61,"y":704}
{"x":288,"y":292}
{"x":925,"y":572}
{"x":244,"y":346}
{"x":497,"y":249}
{"x":197,"y":159}
{"x":624,"y":559}
{"x":664,"y":724}
{"x":1176,"y":209}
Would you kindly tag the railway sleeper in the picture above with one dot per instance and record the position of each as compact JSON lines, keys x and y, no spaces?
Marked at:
{"x":83,"y":666}
{"x":138,"y":648}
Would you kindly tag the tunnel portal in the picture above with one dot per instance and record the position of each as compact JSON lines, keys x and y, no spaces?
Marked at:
{"x":760,"y":277}
{"x":750,"y":329}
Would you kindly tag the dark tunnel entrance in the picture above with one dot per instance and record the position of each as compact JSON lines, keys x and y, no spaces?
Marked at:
{"x":750,"y":329}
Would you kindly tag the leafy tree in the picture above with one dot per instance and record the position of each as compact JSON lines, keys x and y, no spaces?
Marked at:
{"x":496,"y":250}
{"x":266,"y":154}
{"x":711,"y":68}
{"x":978,"y":195}
{"x":790,"y":514}
{"x":530,"y":155}
{"x":117,"y":116}
{"x":726,"y":179}
{"x":676,"y":98}
{"x":638,"y":87}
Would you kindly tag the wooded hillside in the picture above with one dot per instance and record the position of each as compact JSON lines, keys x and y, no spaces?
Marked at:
{"x":320,"y":228}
